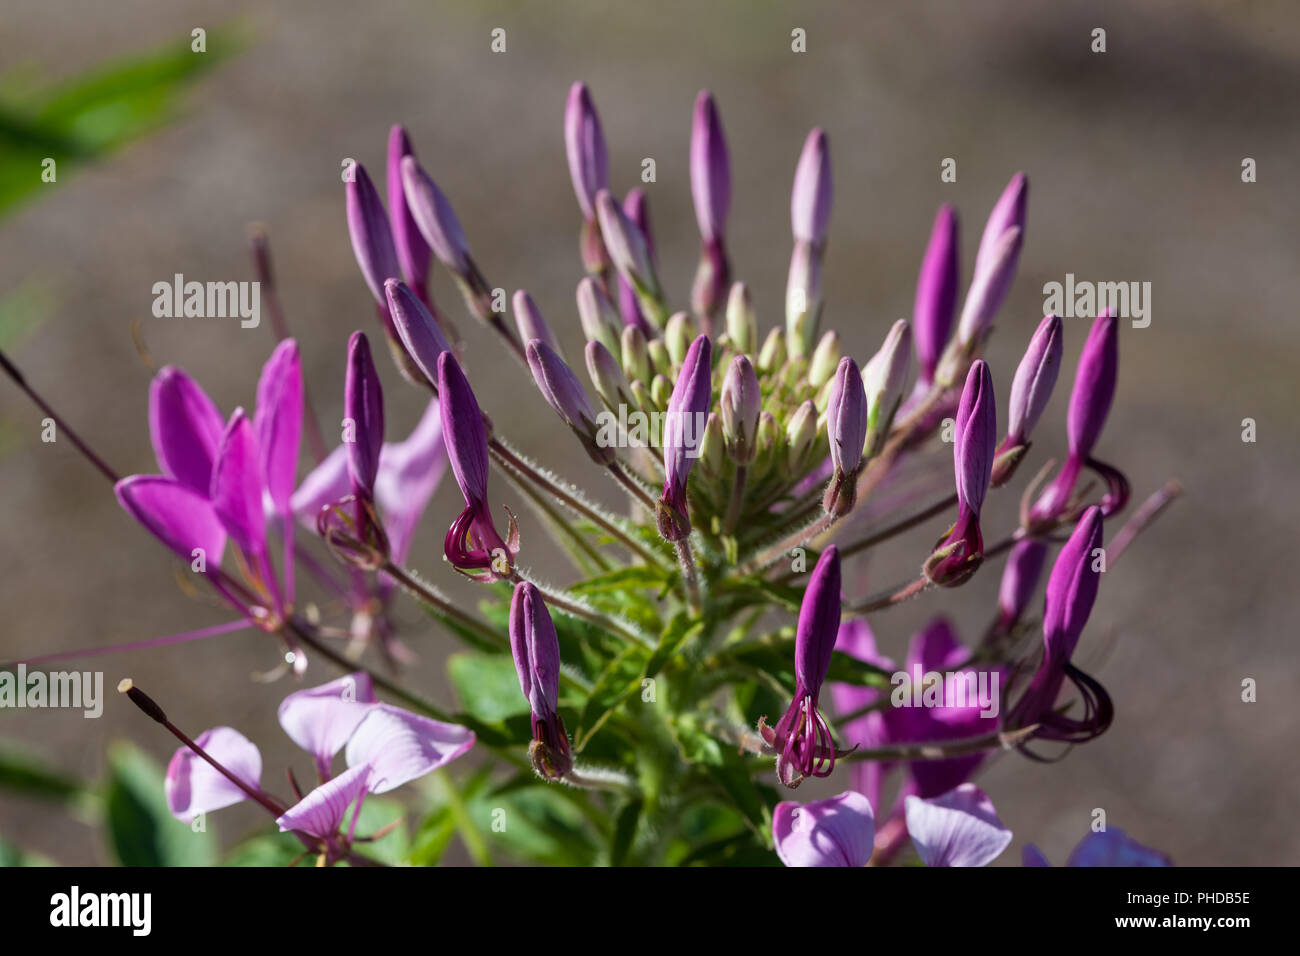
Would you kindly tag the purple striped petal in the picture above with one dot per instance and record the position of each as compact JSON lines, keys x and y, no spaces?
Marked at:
{"x":322,"y":811}
{"x":277,"y":421}
{"x":185,"y":427}
{"x":193,"y":786}
{"x":463,"y":431}
{"x":840,"y":831}
{"x":399,"y":746}
{"x":975,"y":436}
{"x":960,"y":828}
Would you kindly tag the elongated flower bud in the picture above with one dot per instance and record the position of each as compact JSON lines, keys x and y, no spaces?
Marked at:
{"x":413,"y":252}
{"x":1008,"y":212}
{"x":936,"y":293}
{"x":711,"y":191}
{"x":472,"y":543}
{"x":600,"y":323}
{"x":679,"y":333}
{"x":741,"y":404}
{"x":1090,"y":401}
{"x":824,"y":359}
{"x":959,"y":553}
{"x":436,"y":219}
{"x":810,"y":200}
{"x":418,"y":330}
{"x":772,"y":356}
{"x":1030,"y":391}
{"x":846,"y":428}
{"x":363,"y":404}
{"x":584,"y":144}
{"x":742,"y":326}
{"x":883,"y":380}
{"x":713,"y":447}
{"x":803,"y":298}
{"x":636,"y":354}
{"x":610,"y":382}
{"x":536,"y":651}
{"x":988,"y":289}
{"x":800,"y":433}
{"x":564,"y":393}
{"x":802,"y":738}
{"x":627,"y":247}
{"x":372,"y":240}
{"x":684,"y":425}
{"x":637,"y":209}
{"x":531,"y":323}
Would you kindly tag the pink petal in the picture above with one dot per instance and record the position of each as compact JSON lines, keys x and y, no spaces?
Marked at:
{"x":399,"y":746}
{"x":277,"y":421}
{"x":194,"y":786}
{"x":237,"y":485}
{"x":321,"y":812}
{"x":175,"y":514}
{"x":960,"y":828}
{"x":324,"y":485}
{"x":321,"y":719}
{"x":185,"y":427}
{"x":840,"y":831}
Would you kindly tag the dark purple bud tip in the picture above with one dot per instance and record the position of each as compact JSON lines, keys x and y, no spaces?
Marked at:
{"x":958,"y":554}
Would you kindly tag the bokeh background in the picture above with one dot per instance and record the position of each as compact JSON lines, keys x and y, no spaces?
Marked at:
{"x":1134,"y":157}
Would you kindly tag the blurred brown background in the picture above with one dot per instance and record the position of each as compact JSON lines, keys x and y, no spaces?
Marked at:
{"x":1134,"y":158}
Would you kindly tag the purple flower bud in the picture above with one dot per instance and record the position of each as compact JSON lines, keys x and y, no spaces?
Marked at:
{"x":846,"y":418}
{"x":1020,"y":580}
{"x":600,"y":322}
{"x":684,"y":423}
{"x":564,"y":393}
{"x":975,"y":437}
{"x":1035,"y":379}
{"x":803,"y":298}
{"x":742,"y":402}
{"x":363,"y":407}
{"x":416,"y":327}
{"x":638,"y":210}
{"x":531,"y":323}
{"x":536,"y":650}
{"x":412,"y":251}
{"x":1094,"y":385}
{"x":608,"y":378}
{"x":372,"y":240}
{"x":802,"y":738}
{"x":435,"y":218}
{"x":710,"y":169}
{"x":1008,"y":212}
{"x":988,"y":288}
{"x":810,"y":200}
{"x":936,"y":293}
{"x":883,"y":380}
{"x":584,"y":142}
{"x":626,"y":244}
{"x":472,"y":541}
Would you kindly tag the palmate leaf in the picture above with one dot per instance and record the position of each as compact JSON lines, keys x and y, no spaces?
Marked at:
{"x":90,"y":115}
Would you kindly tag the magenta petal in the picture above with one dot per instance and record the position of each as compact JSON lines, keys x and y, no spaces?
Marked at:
{"x":175,"y":514}
{"x":463,"y":431}
{"x":324,"y":485}
{"x":321,"y":812}
{"x":321,"y":719}
{"x":400,"y":746}
{"x":193,"y":786}
{"x":185,"y":427}
{"x":237,"y":485}
{"x":960,"y":828}
{"x":840,"y":831}
{"x":409,"y":474}
{"x":277,"y":421}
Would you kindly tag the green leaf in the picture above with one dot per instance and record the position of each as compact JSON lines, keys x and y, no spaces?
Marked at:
{"x":625,"y":832}
{"x":141,"y":831}
{"x":729,"y":771}
{"x":487,"y":686}
{"x":681,"y":629}
{"x":536,"y":824}
{"x":273,"y":849}
{"x":376,"y":814}
{"x":433,"y":838}
{"x":619,"y":681}
{"x":24,"y":774}
{"x":638,"y":578}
